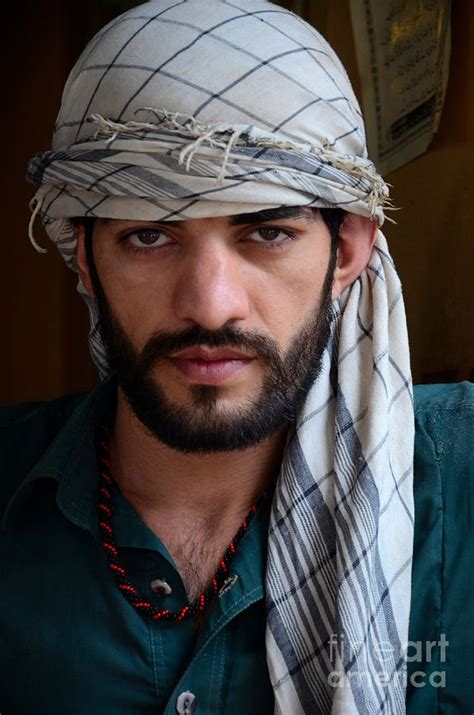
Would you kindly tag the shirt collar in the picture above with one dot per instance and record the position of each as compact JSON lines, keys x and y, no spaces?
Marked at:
{"x":71,"y":461}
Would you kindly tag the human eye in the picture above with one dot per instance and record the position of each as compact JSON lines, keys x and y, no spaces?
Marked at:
{"x":271,"y":235}
{"x":144,"y":240}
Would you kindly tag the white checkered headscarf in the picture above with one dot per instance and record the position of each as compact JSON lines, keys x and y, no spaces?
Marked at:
{"x":184,"y":109}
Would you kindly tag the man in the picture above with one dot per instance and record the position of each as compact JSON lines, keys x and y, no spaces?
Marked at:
{"x":225,"y":525}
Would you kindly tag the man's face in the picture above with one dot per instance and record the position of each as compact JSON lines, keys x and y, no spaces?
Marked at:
{"x":215,"y":327}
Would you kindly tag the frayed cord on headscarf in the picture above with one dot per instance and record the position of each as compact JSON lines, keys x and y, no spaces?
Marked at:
{"x":232,"y":140}
{"x":225,"y":136}
{"x":171,"y":121}
{"x":188,"y":152}
{"x":35,"y":206}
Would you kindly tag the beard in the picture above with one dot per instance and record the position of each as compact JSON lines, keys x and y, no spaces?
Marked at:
{"x":203,"y":425}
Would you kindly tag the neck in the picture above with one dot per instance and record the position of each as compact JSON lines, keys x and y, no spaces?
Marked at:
{"x":160,"y":481}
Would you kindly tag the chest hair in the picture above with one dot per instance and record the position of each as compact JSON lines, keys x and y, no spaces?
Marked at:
{"x":197,"y":545}
{"x":197,"y":557}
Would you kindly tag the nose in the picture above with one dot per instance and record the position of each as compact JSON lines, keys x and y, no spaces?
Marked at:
{"x":210,"y":287}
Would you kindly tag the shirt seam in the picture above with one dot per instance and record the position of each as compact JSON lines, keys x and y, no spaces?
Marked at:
{"x":442,"y":556}
{"x":442,"y":576}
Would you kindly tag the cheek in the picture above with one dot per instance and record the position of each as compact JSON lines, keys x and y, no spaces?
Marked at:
{"x":138,"y":301}
{"x":288,"y":296}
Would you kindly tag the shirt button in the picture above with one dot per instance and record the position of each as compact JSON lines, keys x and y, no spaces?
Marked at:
{"x":186,"y":703}
{"x":161,"y":587}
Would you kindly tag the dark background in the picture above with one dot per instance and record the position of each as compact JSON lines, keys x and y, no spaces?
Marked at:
{"x":44,"y":323}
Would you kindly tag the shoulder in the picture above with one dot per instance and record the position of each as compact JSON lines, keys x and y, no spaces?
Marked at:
{"x":12,"y":416}
{"x":44,"y":418}
{"x":444,"y":419}
{"x":444,"y":431}
{"x":26,"y":432}
{"x":458,"y":395}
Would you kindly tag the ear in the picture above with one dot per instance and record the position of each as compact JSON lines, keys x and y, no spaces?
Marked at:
{"x":81,"y":260}
{"x":357,"y":237}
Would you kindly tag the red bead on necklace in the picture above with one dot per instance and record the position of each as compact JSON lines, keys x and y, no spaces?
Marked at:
{"x":132,"y":594}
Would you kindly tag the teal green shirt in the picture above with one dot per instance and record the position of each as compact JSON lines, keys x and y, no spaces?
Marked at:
{"x":70,"y":644}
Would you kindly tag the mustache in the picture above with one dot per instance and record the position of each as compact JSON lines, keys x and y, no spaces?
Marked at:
{"x":163,"y":343}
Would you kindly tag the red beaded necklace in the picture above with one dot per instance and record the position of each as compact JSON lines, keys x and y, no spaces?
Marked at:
{"x":133,"y":595}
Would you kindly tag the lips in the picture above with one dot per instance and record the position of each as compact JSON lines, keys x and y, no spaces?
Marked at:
{"x":211,"y":366}
{"x":211,"y":354}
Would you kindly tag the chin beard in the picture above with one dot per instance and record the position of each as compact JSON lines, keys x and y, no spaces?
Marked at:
{"x":203,"y":425}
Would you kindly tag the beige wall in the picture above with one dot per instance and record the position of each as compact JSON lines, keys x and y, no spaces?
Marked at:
{"x":44,"y":323}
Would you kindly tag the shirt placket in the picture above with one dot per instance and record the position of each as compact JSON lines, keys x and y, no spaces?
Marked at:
{"x":202,"y":689}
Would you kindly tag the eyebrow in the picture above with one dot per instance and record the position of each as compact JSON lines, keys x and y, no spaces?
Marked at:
{"x":283,"y":212}
{"x":276,"y":214}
